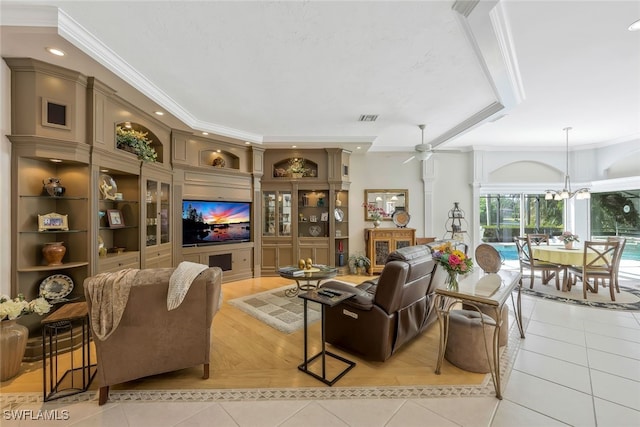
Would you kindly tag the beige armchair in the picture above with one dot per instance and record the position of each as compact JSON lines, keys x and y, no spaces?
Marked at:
{"x":150,"y":339}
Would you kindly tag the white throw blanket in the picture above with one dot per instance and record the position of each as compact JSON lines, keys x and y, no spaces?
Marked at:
{"x":180,"y":282}
{"x":109,"y":293}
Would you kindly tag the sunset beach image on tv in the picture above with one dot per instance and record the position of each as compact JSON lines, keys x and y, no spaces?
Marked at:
{"x":210,"y":222}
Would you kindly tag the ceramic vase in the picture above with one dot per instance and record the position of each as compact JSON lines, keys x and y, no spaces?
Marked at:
{"x":13,"y":342}
{"x":53,"y":187}
{"x":568,"y":245}
{"x":53,"y":253}
{"x":376,"y":223}
{"x":452,"y":281}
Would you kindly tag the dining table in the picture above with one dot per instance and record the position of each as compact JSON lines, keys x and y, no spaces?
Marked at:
{"x":562,"y":256}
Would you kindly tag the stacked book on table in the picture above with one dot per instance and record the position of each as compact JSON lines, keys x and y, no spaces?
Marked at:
{"x":291,"y":271}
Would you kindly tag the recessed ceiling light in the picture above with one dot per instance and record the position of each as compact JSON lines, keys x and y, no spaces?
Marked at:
{"x":219,"y":150}
{"x":294,"y":146}
{"x":54,"y":51}
{"x":358,"y":148}
{"x":635,"y":26}
{"x":247,"y":143}
{"x":104,"y":170}
{"x":56,"y":160}
{"x":205,"y":133}
{"x":159,"y":113}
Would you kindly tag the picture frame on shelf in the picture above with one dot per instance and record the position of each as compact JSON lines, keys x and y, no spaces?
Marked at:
{"x":114,"y":218}
{"x":53,"y":222}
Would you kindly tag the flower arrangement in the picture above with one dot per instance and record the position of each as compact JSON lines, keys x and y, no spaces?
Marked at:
{"x":137,"y":143}
{"x":568,"y":237}
{"x":11,"y":309}
{"x":454,"y":262}
{"x":373,"y":212}
{"x":297,"y":166}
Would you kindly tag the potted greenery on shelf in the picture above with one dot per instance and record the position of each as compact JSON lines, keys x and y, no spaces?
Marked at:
{"x":359,"y":263}
{"x":135,"y":142}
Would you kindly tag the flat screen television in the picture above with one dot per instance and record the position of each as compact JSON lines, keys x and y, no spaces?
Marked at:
{"x":213,"y":222}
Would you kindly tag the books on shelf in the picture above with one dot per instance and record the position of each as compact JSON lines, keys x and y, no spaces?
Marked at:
{"x":291,"y":271}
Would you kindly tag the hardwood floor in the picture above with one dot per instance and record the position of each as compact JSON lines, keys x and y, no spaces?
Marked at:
{"x":247,"y":353}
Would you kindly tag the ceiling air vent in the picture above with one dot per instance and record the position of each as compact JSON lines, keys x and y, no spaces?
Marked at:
{"x":368,"y":118}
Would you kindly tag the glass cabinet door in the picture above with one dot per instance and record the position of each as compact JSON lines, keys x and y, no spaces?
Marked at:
{"x":152,"y":213}
{"x":276,"y":206}
{"x":165,"y":217}
{"x":284,"y":211}
{"x":269,"y":210}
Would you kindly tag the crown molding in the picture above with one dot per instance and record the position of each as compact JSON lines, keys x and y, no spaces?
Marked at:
{"x":20,"y":15}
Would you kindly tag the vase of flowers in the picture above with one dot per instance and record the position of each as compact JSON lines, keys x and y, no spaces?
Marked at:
{"x":13,"y":336}
{"x":454,"y":261}
{"x":374,"y":213}
{"x":568,"y":238}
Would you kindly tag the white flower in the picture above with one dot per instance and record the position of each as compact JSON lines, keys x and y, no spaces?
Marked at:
{"x":11,"y":309}
{"x":39,"y":306}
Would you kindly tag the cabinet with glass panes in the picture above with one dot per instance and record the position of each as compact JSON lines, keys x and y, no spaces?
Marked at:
{"x":157,"y":217}
{"x":277,"y":246}
{"x":313,"y":213}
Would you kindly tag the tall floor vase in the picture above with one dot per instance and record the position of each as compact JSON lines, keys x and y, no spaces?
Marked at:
{"x":13,"y":342}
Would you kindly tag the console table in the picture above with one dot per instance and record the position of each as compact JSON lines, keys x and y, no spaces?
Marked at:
{"x":477,"y":289}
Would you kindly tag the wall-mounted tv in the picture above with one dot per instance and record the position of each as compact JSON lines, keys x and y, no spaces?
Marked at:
{"x":210,"y":222}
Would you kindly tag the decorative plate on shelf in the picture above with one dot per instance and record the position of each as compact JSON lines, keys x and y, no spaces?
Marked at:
{"x":400,"y":218}
{"x":56,"y":286}
{"x":339,"y":215}
{"x":315,"y":230}
{"x":108,"y":187}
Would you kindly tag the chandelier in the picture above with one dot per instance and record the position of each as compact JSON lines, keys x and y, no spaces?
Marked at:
{"x":566,"y":193}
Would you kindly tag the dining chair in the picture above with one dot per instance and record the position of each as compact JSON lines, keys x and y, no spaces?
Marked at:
{"x":547,"y":270}
{"x":598,"y":265}
{"x":537,"y":239}
{"x":622,"y":242}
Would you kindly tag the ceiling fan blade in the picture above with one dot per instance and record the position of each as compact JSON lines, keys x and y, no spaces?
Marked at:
{"x":408,"y":160}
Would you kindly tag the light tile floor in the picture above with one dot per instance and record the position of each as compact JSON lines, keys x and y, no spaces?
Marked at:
{"x":577,"y":366}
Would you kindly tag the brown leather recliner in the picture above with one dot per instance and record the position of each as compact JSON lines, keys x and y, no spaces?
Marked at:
{"x":150,"y":339}
{"x":388,"y":312}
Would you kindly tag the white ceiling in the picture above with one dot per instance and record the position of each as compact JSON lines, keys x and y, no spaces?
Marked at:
{"x":302,"y":72}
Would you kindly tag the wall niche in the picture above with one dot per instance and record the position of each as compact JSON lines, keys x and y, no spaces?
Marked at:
{"x":219,"y":159}
{"x":126,"y":132}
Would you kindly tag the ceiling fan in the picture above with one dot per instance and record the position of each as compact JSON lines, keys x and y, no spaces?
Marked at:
{"x":423,"y":151}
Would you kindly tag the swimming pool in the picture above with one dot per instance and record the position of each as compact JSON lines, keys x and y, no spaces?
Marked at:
{"x":509,"y":252}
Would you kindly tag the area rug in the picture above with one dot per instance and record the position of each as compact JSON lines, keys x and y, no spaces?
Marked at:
{"x":278,"y":310}
{"x":627,"y":300}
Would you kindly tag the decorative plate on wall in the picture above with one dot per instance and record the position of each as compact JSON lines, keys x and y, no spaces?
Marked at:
{"x":400,"y":218}
{"x":339,"y":215}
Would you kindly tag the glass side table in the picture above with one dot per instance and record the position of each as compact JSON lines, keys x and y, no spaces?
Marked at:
{"x":60,"y":325}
